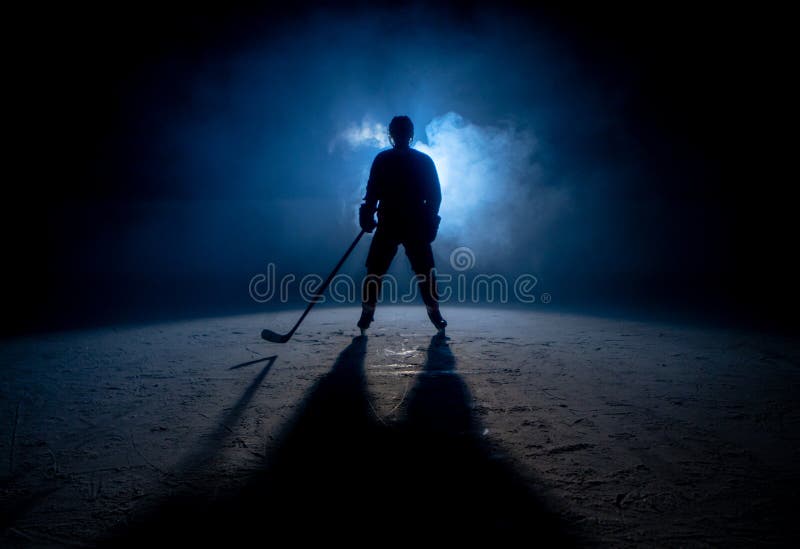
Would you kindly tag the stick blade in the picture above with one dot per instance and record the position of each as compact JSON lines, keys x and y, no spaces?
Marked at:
{"x":272,"y":337}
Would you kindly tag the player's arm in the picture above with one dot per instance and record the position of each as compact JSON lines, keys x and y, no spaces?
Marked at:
{"x":366,"y":213}
{"x":434,"y":188}
{"x":434,"y":200}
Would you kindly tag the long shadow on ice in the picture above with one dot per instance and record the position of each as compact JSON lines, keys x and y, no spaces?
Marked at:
{"x":338,"y":472}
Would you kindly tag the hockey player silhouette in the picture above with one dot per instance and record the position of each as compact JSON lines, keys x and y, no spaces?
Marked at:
{"x":404,"y":189}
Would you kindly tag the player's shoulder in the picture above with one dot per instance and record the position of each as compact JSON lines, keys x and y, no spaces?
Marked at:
{"x":383,"y":155}
{"x":421,"y":156}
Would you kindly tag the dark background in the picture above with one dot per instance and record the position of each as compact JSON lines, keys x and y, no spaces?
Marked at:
{"x":158,"y":157}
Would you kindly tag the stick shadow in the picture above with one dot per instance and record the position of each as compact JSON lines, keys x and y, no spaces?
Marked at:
{"x":207,"y":450}
{"x":271,"y":360}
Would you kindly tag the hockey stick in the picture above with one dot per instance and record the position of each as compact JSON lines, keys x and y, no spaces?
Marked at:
{"x":269,"y":335}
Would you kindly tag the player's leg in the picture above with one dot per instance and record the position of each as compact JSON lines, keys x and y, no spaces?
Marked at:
{"x":381,"y":252}
{"x":421,"y":257}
